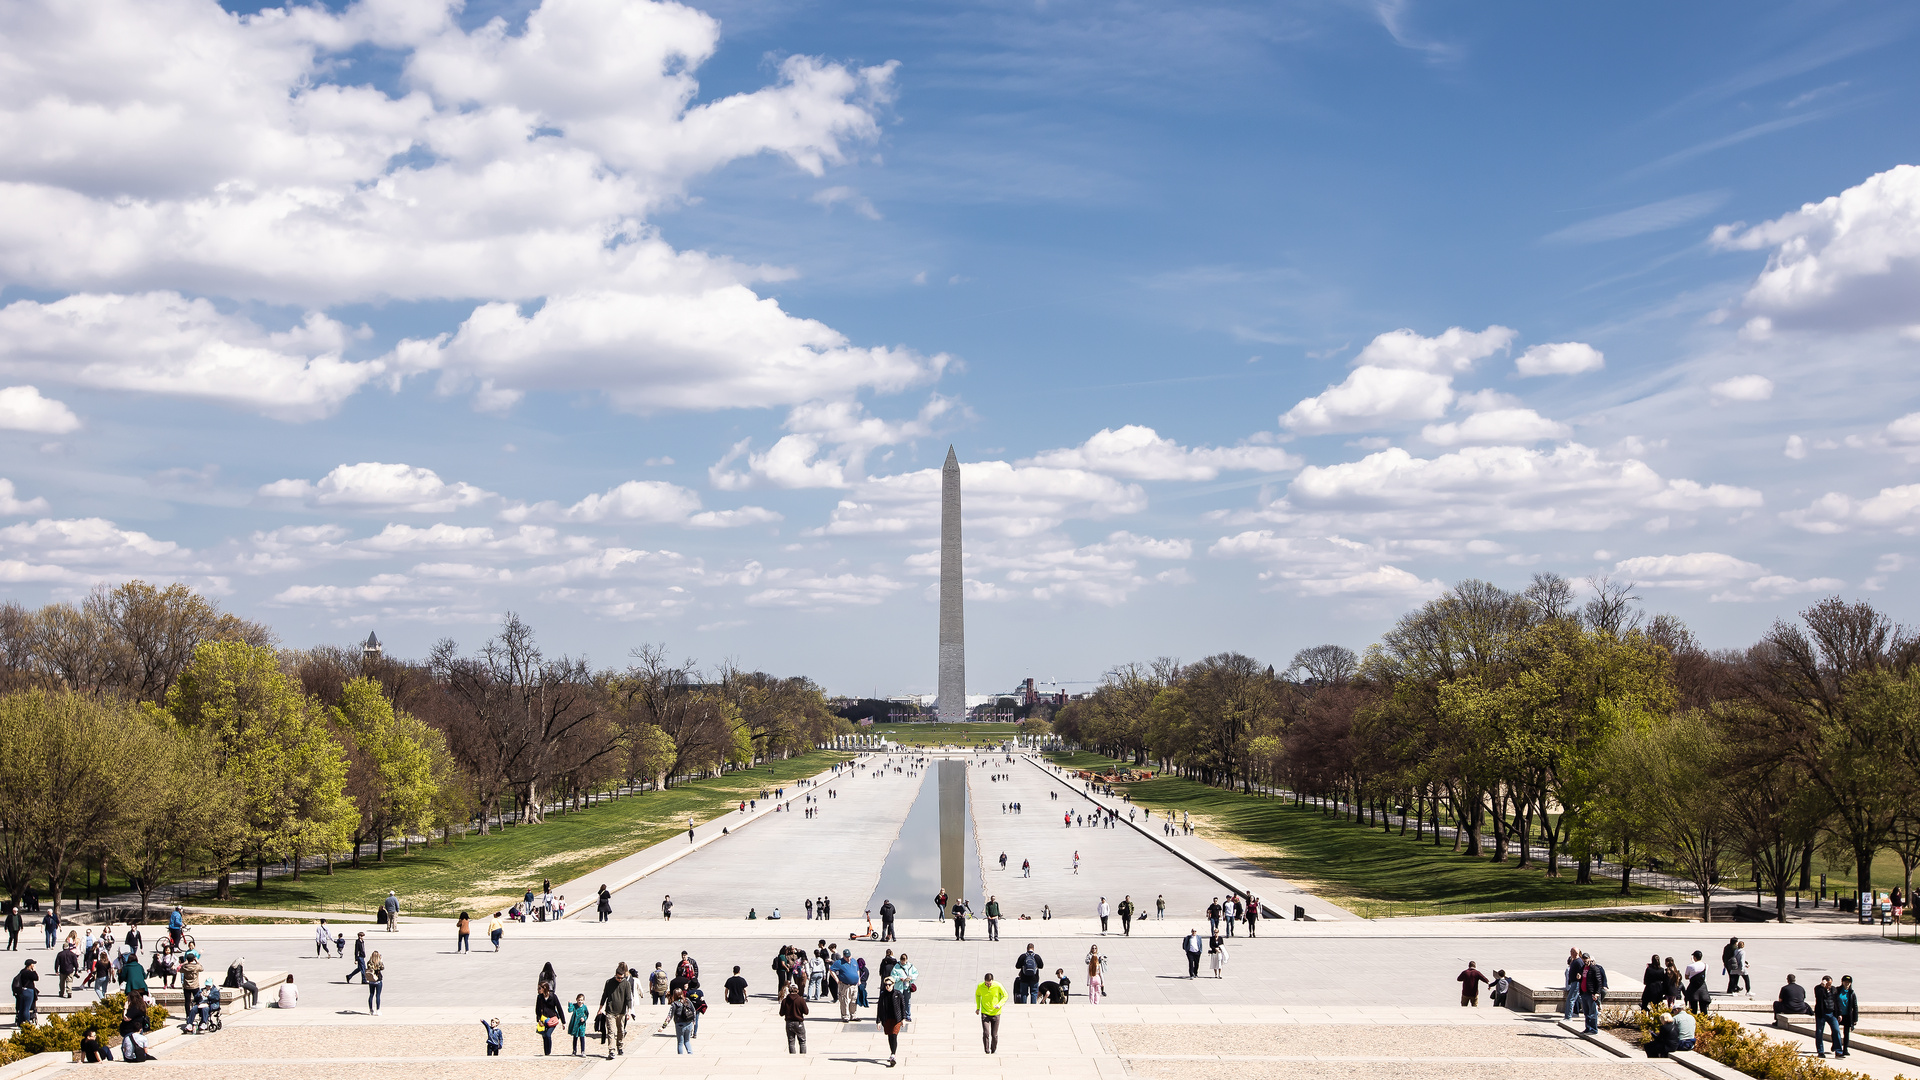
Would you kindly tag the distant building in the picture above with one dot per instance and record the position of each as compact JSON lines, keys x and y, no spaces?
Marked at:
{"x":372,"y":650}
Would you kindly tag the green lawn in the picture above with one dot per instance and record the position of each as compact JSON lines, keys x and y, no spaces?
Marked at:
{"x":1372,"y":873}
{"x":936,"y":734}
{"x":489,"y":872}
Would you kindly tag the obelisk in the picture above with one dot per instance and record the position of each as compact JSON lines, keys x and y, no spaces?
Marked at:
{"x":952,"y":698}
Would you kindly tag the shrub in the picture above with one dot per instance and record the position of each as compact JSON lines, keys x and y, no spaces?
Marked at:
{"x":1732,"y":1044}
{"x":61,"y":1032}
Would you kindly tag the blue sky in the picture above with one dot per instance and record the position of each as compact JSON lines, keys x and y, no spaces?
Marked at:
{"x":1253,"y":324}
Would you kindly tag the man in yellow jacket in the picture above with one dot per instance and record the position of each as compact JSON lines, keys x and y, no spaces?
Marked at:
{"x":988,"y":999}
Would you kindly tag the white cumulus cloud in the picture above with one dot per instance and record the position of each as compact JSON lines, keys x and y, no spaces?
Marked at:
{"x":374,"y":485}
{"x":1496,"y":426}
{"x":11,"y":503}
{"x":22,"y":408}
{"x":1140,"y":453}
{"x":1742,"y":388}
{"x":1399,"y":376}
{"x":1561,"y":358}
{"x":1849,"y":261}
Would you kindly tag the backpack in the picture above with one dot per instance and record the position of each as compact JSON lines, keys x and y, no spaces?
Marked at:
{"x":1029,"y":966}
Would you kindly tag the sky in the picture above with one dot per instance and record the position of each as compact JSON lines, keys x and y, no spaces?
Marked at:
{"x":1254,"y":325}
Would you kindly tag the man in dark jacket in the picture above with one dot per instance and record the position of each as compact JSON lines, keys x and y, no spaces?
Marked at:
{"x":887,"y":912}
{"x":1026,"y":976}
{"x":616,"y":1001}
{"x":793,"y":1010}
{"x":1825,"y":1016}
{"x":1126,"y":923}
{"x":1593,"y":990}
{"x":1792,"y":1000}
{"x":1847,"y":1009}
{"x":66,"y":964}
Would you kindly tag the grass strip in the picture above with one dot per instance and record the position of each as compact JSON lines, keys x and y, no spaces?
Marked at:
{"x":1372,"y":873}
{"x":477,"y":873}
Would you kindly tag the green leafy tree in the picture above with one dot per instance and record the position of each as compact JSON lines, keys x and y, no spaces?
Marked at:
{"x":273,"y":745}
{"x":179,"y":805}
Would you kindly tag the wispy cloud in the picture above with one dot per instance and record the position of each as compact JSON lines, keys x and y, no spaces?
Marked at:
{"x":1653,"y":217}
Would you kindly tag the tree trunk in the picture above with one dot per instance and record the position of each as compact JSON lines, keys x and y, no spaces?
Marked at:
{"x":225,"y":890}
{"x":358,"y":838}
{"x":1473,"y":828}
{"x":1806,"y":866}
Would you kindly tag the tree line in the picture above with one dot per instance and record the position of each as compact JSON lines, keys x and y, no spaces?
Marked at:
{"x":1545,"y":729}
{"x":146,"y":732}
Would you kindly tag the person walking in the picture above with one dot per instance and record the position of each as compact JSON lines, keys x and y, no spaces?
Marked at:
{"x":1026,"y":976}
{"x":890,"y":1011}
{"x":1160,"y":908}
{"x":940,"y":905}
{"x":1730,"y":964}
{"x":887,"y":912}
{"x":1672,"y":982}
{"x":376,"y":981}
{"x":660,"y":983}
{"x":359,"y":957}
{"x":1193,"y":945}
{"x":1570,"y":997}
{"x":1126,"y":916}
{"x":495,"y":927}
{"x":392,"y":906}
{"x":604,"y":904}
{"x":906,"y":979}
{"x":959,"y":920}
{"x":616,"y":1004}
{"x":463,"y":932}
{"x":1740,"y":964}
{"x":1253,"y":916}
{"x":666,"y":907}
{"x":993,"y":918}
{"x":577,"y":1015}
{"x":1026,"y":868}
{"x":66,"y":964}
{"x":1100,"y":909}
{"x":846,"y":976}
{"x":1096,"y":971}
{"x":15,"y":924}
{"x":988,"y":999}
{"x":322,"y":939}
{"x":1217,"y":955}
{"x":793,"y":1012}
{"x":50,"y":925}
{"x":548,"y":1015}
{"x":1470,"y":981}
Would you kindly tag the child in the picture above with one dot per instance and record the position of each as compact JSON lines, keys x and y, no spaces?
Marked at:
{"x":496,"y":1036}
{"x":577,"y":1024}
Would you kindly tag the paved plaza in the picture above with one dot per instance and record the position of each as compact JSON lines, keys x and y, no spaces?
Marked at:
{"x":1329,"y":998}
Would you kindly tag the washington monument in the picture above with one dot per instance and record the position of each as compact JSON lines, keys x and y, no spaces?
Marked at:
{"x":952,"y":700}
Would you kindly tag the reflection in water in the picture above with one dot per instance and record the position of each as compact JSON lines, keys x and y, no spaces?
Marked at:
{"x":911,"y":875}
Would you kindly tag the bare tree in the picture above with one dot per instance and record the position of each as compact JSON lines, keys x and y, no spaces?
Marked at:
{"x":1325,"y":665}
{"x":1611,"y":609}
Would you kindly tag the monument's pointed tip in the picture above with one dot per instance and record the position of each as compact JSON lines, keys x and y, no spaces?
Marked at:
{"x":951,"y":458}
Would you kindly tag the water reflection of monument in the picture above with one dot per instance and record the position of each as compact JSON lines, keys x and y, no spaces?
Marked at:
{"x":936,"y":848}
{"x":953,"y":827}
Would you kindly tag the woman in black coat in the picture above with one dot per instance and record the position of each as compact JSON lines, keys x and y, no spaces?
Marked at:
{"x":1653,"y":982}
{"x":891,"y":1011}
{"x":549,"y":1014}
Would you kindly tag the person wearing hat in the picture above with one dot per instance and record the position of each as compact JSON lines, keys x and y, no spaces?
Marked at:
{"x":26,"y":991}
{"x":891,"y":1010}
